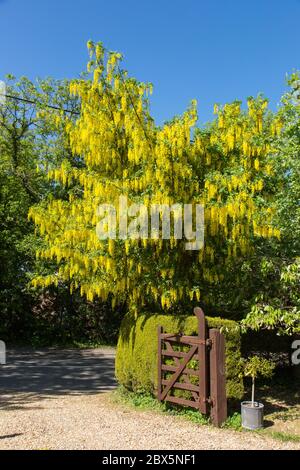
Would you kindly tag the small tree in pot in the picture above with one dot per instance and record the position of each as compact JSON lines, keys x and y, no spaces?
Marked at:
{"x":252,"y":411}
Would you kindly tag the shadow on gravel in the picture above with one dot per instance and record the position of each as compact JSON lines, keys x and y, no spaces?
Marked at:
{"x":10,"y":436}
{"x":30,"y":375}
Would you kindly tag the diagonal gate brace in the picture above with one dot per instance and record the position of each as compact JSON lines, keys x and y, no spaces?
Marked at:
{"x":179,"y":371}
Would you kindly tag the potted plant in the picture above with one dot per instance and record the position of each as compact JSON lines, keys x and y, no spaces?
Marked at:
{"x":252,"y":411}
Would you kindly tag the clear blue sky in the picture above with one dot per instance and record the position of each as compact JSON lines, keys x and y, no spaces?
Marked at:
{"x":211,"y":50}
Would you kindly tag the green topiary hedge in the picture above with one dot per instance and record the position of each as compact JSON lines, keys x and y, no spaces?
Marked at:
{"x":136,"y":359}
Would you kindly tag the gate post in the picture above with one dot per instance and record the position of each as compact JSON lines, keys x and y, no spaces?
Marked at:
{"x":203,"y":360}
{"x":217,"y":377}
{"x":159,"y":332}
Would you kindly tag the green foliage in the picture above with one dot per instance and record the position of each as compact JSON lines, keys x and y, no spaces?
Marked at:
{"x":139,"y":400}
{"x":288,"y":169}
{"x":136,"y":360}
{"x":285,"y":437}
{"x":276,"y":304}
{"x":27,"y":143}
{"x":258,"y":366}
{"x":234,"y":422}
{"x":31,"y":144}
{"x":20,"y":187}
{"x":146,"y":401}
{"x":282,"y":310}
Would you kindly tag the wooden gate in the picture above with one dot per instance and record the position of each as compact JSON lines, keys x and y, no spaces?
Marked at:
{"x":204,"y":386}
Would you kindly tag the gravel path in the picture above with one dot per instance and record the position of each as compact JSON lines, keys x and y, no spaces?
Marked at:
{"x":93,"y":422}
{"x":61,"y":400}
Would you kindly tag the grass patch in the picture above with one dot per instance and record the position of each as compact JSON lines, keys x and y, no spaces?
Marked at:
{"x":137,"y":400}
{"x":284,"y":436}
{"x":148,"y":402}
{"x":191,"y":415}
{"x":233,"y":422}
{"x":144,"y":401}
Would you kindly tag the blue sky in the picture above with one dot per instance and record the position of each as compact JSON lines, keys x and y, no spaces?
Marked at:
{"x":213,"y":50}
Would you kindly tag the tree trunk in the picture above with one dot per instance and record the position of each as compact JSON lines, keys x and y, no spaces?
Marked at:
{"x":253,"y":389}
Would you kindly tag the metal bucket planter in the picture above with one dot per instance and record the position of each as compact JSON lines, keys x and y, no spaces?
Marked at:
{"x":252,"y":416}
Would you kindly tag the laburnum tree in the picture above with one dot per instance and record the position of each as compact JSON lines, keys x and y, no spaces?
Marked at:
{"x":226,"y":167}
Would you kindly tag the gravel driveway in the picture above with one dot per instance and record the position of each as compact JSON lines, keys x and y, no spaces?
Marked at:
{"x":61,"y":400}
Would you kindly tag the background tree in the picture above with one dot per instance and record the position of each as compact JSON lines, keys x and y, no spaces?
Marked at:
{"x":21,"y":186}
{"x":32,"y":142}
{"x":277,"y":303}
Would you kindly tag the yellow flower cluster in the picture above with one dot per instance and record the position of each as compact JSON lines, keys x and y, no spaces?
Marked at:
{"x":223,"y":168}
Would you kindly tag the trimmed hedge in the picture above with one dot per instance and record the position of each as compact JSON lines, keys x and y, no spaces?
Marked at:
{"x":136,"y":359}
